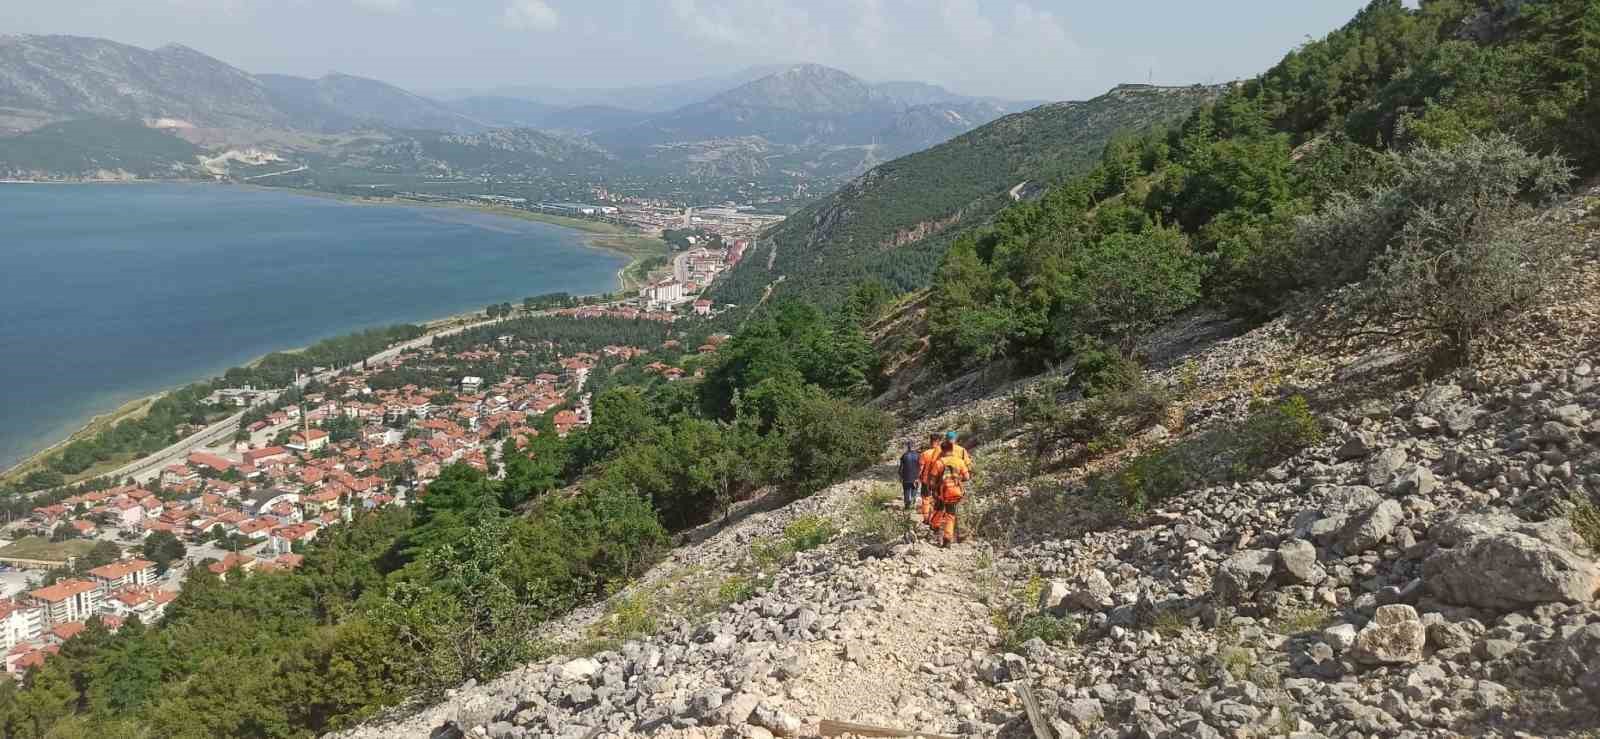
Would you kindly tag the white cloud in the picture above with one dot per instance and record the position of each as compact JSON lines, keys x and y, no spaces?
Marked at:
{"x":709,"y":26}
{"x":531,"y":15}
{"x":966,"y":23}
{"x":871,"y":27}
{"x":778,"y":27}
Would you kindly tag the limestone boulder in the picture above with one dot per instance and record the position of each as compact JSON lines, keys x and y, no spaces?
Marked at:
{"x":1503,"y":568}
{"x":1395,"y":636}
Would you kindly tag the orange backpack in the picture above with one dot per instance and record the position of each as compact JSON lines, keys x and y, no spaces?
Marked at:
{"x":951,"y":474}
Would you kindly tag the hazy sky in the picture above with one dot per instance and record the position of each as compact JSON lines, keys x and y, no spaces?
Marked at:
{"x":1047,"y":49}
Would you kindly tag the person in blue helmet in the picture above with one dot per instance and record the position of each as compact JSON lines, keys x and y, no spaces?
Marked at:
{"x":960,"y":451}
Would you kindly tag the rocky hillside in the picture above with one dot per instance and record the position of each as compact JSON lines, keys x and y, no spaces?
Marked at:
{"x":883,"y":223}
{"x":87,"y":77}
{"x":1419,"y":562}
{"x":340,"y":102}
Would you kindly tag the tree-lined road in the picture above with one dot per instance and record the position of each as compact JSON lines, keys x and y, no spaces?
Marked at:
{"x":149,"y":467}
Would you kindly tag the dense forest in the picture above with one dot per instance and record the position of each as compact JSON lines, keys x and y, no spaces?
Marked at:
{"x":91,"y":147}
{"x":1404,"y":152}
{"x":587,"y":335}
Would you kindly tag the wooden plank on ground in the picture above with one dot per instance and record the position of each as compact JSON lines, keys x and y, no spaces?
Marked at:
{"x":1035,"y":716}
{"x":839,"y":728}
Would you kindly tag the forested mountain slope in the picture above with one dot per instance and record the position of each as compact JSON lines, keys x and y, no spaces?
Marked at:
{"x":95,"y":147}
{"x":894,"y":222}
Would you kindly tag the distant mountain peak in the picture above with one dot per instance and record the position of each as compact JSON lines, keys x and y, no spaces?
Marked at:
{"x":176,"y":48}
{"x":811,"y":68}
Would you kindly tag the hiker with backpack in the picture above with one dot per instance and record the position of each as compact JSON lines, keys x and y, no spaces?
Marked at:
{"x":960,"y":451}
{"x":928,"y":457}
{"x":946,"y":477}
{"x":910,"y":475}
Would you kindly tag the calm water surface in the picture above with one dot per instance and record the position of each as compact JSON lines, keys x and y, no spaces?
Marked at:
{"x":112,"y":292}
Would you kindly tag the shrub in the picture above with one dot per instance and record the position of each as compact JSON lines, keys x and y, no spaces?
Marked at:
{"x":629,"y":617}
{"x":1102,"y":423}
{"x":1275,"y":432}
{"x":1266,"y":438}
{"x":768,"y":553}
{"x":1148,"y":479}
{"x":1458,"y":184}
{"x":802,"y":534}
{"x":1585,"y":518}
{"x":1458,"y":282}
{"x":1450,"y":249}
{"x":1303,"y":620}
{"x":1018,"y":619}
{"x":1169,"y":624}
{"x":876,"y":519}
{"x":1043,"y":626}
{"x":1102,"y":370}
{"x":737,"y":589}
{"x":1237,"y":661}
{"x":808,"y":532}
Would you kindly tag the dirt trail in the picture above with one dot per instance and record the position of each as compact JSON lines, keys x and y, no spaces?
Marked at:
{"x":904,"y":659}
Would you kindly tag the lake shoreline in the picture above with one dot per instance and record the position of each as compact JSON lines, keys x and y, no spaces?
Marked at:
{"x":598,"y":235}
{"x":602,"y":237}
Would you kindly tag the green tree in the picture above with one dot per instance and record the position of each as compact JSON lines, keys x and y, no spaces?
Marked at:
{"x":103,"y":553}
{"x":1124,"y":284}
{"x":452,"y":504}
{"x":534,"y":470}
{"x":620,"y":416}
{"x":344,"y":674}
{"x":47,"y":697}
{"x":125,"y":676}
{"x":455,"y":612}
{"x":829,"y":439}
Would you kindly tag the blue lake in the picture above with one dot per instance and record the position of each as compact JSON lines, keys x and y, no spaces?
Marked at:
{"x":112,"y":292}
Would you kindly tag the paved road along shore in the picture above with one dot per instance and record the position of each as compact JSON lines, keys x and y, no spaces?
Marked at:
{"x":150,"y":466}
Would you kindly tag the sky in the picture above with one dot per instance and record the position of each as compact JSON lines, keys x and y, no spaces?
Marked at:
{"x":1019,"y":49}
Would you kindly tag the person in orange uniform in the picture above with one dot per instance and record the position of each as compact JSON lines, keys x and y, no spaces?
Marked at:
{"x":925,"y":502}
{"x":949,"y":473}
{"x":960,"y":451}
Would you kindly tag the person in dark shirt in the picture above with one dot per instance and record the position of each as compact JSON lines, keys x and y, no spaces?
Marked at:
{"x":910,"y":473}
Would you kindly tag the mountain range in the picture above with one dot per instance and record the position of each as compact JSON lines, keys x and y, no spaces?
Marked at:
{"x":812,"y":105}
{"x":895,"y":221}
{"x":646,"y":98}
{"x":800,"y":122}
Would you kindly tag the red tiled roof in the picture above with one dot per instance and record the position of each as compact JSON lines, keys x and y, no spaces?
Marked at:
{"x":209,"y":460}
{"x":117,"y":570}
{"x":63,"y":590}
{"x":233,"y":560}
